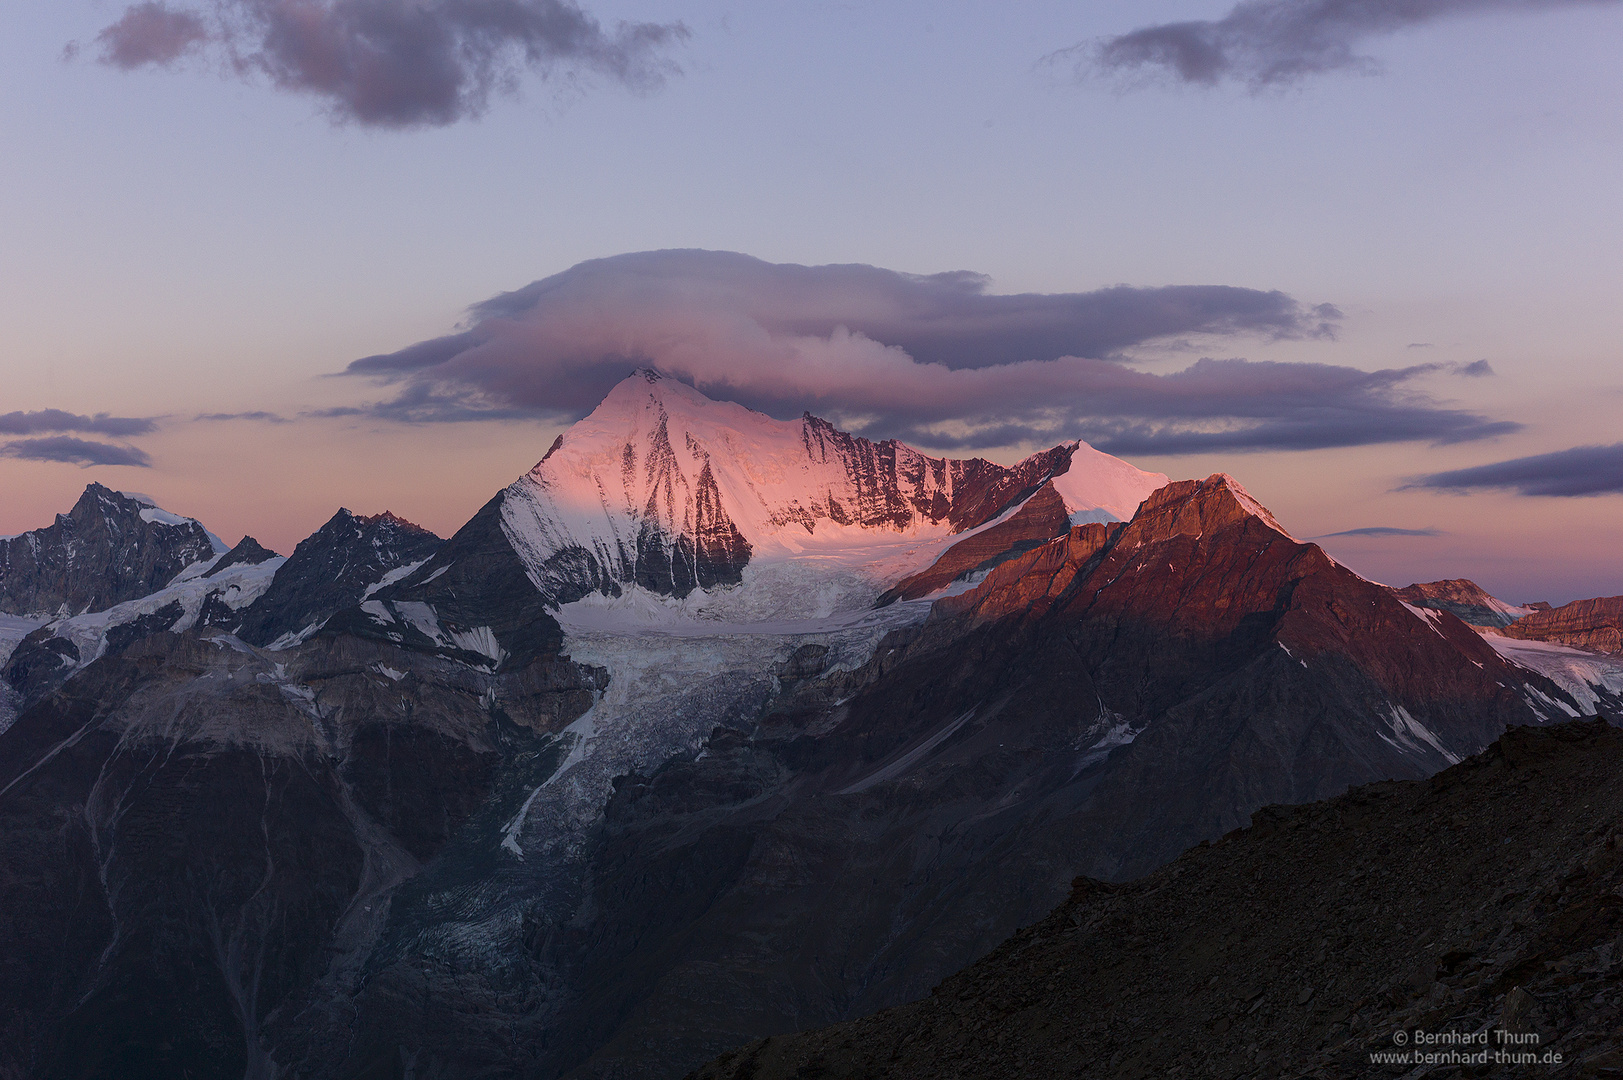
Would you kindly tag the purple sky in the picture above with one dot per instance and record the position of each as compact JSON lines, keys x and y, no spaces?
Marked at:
{"x":267,"y":258}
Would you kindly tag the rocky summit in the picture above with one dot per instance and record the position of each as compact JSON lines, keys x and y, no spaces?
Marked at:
{"x":1477,"y":914}
{"x":109,"y":548}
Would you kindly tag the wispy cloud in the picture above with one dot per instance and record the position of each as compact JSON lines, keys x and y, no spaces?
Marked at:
{"x":266,"y":417}
{"x":394,"y":63}
{"x":1477,"y":369}
{"x":938,"y":360}
{"x":1381,"y":531}
{"x":1583,"y":470}
{"x":1270,"y":42}
{"x":83,"y":452}
{"x":44,"y":420}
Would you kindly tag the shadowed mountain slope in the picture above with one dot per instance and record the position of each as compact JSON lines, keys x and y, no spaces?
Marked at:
{"x":109,"y":548}
{"x":1485,"y":899}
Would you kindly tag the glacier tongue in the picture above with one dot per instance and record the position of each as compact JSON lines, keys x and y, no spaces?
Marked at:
{"x":679,"y":667}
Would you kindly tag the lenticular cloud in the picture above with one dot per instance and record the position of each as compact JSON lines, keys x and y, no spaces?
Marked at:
{"x":394,"y":63}
{"x":937,"y":360}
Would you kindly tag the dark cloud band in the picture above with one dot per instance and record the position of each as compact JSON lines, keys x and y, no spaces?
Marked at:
{"x":393,"y":63}
{"x":937,"y":360}
{"x":66,"y":448}
{"x":1583,"y":470}
{"x":45,"y":420}
{"x":1269,"y":42}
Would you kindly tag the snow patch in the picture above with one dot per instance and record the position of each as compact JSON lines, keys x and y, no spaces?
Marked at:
{"x":236,"y":587}
{"x":1588,"y":678}
{"x":1411,"y":736}
{"x":396,"y":574}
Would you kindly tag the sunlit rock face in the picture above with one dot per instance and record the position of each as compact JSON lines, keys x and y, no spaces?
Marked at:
{"x":1588,"y":624}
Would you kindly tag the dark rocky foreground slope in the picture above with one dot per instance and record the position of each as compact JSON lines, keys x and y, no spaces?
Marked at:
{"x":205,"y":851}
{"x":109,"y":548}
{"x":1487,"y":898}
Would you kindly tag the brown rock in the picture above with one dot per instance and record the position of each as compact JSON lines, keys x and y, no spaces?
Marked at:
{"x":1588,"y":624}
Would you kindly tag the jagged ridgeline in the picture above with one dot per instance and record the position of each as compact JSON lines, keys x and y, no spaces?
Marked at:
{"x":710,"y":727}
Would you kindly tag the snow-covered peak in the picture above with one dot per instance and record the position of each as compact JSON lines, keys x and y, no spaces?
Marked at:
{"x":1096,"y":481}
{"x":663,"y":487}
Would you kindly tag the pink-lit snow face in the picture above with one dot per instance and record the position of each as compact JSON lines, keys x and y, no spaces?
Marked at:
{"x":791,"y":488}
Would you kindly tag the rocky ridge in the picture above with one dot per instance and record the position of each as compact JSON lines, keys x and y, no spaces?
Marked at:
{"x":1486,"y":899}
{"x":1223,"y":665}
{"x":1587,"y":624}
{"x":663,"y":488}
{"x":1465,"y":599}
{"x":111,"y":547}
{"x":330,"y":570}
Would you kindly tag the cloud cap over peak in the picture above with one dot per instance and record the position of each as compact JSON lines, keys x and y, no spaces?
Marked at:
{"x":1273,"y":42}
{"x":394,"y":63}
{"x":935,"y":359}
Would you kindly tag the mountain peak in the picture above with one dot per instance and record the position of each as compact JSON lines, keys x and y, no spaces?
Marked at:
{"x":1199,"y":507}
{"x":1465,"y":599}
{"x":111,"y":547}
{"x":663,"y":487}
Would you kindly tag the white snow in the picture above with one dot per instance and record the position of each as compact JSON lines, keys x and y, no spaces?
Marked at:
{"x":1411,"y":736}
{"x":1583,"y":675}
{"x":153,"y":515}
{"x":236,"y":586}
{"x":396,"y":574}
{"x":781,"y":483}
{"x":1429,"y":616}
{"x":1097,"y":484}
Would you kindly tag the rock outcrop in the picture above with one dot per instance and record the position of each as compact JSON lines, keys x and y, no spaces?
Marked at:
{"x":1465,"y":599}
{"x":330,"y":570}
{"x":1480,"y":904}
{"x":1587,"y":624}
{"x":1041,"y":518}
{"x":108,"y":549}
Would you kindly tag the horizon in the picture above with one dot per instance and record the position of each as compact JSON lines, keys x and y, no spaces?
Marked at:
{"x":1328,"y":262}
{"x":286,"y":547}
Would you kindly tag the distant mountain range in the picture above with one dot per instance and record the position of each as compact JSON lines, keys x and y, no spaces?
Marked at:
{"x":709,"y":727}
